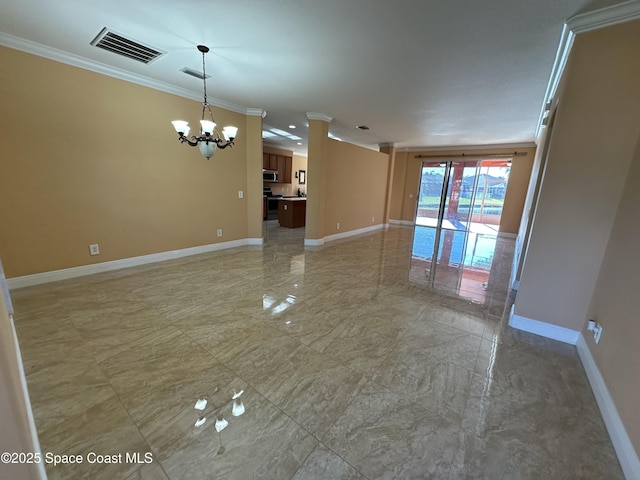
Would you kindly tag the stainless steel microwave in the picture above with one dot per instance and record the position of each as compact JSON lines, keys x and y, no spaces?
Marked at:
{"x":270,"y":176}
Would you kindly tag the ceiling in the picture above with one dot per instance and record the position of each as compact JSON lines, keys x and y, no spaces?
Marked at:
{"x":418,"y":73}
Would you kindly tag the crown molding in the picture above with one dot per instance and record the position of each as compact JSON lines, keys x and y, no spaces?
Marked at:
{"x":559,"y":63}
{"x":54,"y":54}
{"x":581,"y":23}
{"x":319,"y":116}
{"x":605,"y":17}
{"x":256,"y":112}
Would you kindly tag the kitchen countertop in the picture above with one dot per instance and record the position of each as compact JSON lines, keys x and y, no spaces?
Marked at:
{"x":293,"y":199}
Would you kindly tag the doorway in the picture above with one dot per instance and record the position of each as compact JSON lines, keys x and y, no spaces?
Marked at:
{"x":457,"y":223}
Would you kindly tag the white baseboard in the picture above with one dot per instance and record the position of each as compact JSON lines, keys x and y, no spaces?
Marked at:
{"x":627,"y":455}
{"x":402,"y":222}
{"x":313,"y":242}
{"x":359,"y":231}
{"x":543,"y":329}
{"x":622,"y":444}
{"x":351,"y":233}
{"x":255,"y":241}
{"x":64,"y":274}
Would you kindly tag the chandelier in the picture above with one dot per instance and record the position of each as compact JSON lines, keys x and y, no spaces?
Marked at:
{"x":209,"y":139}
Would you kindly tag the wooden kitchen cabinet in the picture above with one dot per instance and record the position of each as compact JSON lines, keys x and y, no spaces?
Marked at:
{"x":284,"y":169}
{"x":292,"y":212}
{"x":280,"y":163}
{"x":270,"y":161}
{"x":273,"y":161}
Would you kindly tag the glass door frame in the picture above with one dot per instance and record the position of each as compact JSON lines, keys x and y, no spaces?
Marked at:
{"x":444,"y":197}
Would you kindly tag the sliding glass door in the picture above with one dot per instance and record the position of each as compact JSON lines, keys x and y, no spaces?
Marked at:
{"x":452,"y":242}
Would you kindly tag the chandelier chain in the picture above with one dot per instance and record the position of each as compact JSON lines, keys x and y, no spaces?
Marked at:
{"x":204,"y":79}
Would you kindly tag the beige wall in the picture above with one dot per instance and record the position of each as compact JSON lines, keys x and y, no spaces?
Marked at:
{"x":596,"y":128}
{"x":299,"y":163}
{"x":582,"y":261}
{"x":87,"y":158}
{"x":516,"y":193}
{"x":254,"y":201}
{"x":398,"y":187}
{"x":356,"y":187}
{"x":390,"y":150}
{"x":615,"y":306}
{"x":317,"y":162}
{"x":408,"y":171}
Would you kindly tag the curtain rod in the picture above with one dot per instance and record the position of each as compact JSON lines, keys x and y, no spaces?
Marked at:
{"x":465,"y":155}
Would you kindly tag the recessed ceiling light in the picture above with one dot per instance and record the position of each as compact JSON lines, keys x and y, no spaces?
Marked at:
{"x":292,"y":126}
{"x":299,"y":143}
{"x":362,"y":127}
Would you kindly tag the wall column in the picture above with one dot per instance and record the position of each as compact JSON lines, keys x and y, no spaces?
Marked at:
{"x":253,"y":135}
{"x":589,"y":155}
{"x":316,"y":177}
{"x":389,"y":149}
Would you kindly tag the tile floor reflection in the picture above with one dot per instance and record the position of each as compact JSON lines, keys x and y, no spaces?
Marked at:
{"x":472,"y":264}
{"x":348,"y":369}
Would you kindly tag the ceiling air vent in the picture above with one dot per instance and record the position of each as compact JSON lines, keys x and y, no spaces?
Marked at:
{"x":117,"y":43}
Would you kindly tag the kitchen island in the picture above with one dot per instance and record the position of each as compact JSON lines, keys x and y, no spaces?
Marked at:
{"x":292,"y":212}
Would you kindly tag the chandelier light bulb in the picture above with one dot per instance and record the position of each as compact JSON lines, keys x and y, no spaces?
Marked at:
{"x":181,"y":126}
{"x":207,"y":127}
{"x":230,"y":132}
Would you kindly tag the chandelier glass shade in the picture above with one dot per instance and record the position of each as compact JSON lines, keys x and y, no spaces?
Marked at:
{"x":209,"y":139}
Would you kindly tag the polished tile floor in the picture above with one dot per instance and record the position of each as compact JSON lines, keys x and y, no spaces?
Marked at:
{"x":319,"y":363}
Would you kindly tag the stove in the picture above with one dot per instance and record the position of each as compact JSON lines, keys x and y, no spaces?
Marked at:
{"x":272,"y":203}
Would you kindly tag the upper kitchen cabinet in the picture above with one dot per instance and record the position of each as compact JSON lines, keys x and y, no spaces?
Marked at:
{"x":270,"y":161}
{"x":280,"y":163}
{"x":284,"y":169}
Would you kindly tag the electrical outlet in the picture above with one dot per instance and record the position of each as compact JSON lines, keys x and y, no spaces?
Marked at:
{"x":597,"y":333}
{"x":94,"y":249}
{"x":595,"y":328}
{"x":285,"y":206}
{"x":240,"y":194}
{"x":338,"y":226}
{"x":373,"y":219}
{"x":219,"y":232}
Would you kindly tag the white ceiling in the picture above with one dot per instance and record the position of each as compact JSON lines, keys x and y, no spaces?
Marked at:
{"x":434,"y":73}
